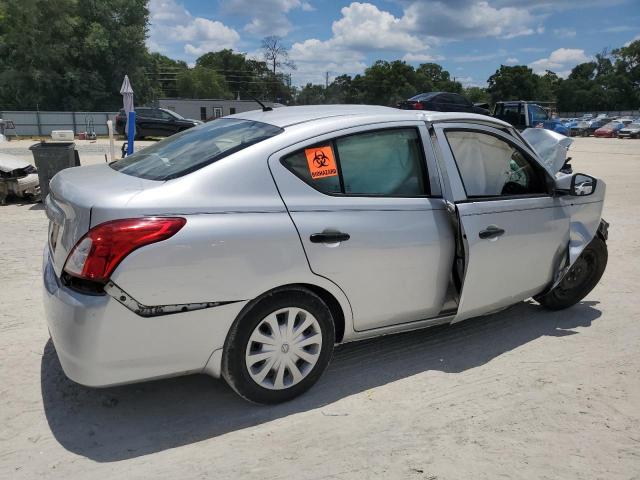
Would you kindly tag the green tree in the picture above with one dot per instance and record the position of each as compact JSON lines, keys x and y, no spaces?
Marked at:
{"x":202,"y":82}
{"x":71,"y":54}
{"x":513,"y":83}
{"x":431,"y":77}
{"x":477,"y":94}
{"x":311,"y":95}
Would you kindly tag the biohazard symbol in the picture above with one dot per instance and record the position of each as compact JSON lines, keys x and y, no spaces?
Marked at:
{"x":321,"y":162}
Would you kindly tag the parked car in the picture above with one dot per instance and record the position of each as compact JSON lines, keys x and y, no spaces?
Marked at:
{"x":609,"y":130}
{"x":524,"y":114}
{"x":442,"y":102}
{"x":247,"y":247}
{"x":155,"y":122}
{"x":17,"y":177}
{"x":587,"y":128}
{"x":632,"y":130}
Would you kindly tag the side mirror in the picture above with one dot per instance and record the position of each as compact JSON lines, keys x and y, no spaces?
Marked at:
{"x":582,"y":185}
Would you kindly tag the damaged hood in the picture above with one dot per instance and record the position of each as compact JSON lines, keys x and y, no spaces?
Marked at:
{"x":9,"y":163}
{"x":550,"y":146}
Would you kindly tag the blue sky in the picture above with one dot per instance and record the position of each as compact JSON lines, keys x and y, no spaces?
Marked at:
{"x":470,"y":38}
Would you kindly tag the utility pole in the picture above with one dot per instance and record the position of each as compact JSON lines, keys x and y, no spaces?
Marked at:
{"x":326,"y":79}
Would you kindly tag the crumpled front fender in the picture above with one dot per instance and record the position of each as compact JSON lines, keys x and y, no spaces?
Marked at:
{"x":585,"y":220}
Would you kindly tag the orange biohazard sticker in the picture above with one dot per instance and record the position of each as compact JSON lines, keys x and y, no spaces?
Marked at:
{"x":321,"y":162}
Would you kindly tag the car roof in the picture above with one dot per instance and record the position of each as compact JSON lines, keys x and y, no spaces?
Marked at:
{"x":287,"y":116}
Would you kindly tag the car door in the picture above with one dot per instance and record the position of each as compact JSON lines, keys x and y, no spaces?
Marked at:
{"x":515,"y":232}
{"x":145,"y":122}
{"x":366,"y":204}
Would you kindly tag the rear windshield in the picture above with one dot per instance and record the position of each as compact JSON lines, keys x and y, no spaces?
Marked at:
{"x":195,"y":148}
{"x":424,"y":96}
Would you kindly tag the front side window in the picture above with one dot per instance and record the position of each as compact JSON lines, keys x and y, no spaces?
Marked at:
{"x":378,"y":163}
{"x":538,"y":114}
{"x":492,"y":167}
{"x":194,"y":148}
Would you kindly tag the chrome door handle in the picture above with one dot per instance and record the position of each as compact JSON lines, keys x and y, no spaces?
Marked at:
{"x":491,"y":232}
{"x":329,"y":237}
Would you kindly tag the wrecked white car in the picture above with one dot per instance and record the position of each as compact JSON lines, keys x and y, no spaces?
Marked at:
{"x":18,"y":178}
{"x":247,"y":247}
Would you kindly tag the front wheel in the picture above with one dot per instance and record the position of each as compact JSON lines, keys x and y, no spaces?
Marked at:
{"x":279,"y":347}
{"x":581,"y":278}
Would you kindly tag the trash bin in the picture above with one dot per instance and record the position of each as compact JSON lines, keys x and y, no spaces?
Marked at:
{"x":52,"y":157}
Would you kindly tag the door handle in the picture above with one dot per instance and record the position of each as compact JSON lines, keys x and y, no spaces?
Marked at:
{"x":329,"y":237}
{"x":491,"y":232}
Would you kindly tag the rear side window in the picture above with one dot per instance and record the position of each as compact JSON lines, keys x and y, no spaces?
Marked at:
{"x":194,"y":148}
{"x":379,"y":163}
{"x":491,"y":167}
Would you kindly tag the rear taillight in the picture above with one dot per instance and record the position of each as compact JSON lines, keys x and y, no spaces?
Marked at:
{"x":417,"y":106}
{"x":100,"y":251}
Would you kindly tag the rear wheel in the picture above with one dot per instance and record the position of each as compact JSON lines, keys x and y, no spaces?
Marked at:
{"x":279,"y":347}
{"x":581,"y":278}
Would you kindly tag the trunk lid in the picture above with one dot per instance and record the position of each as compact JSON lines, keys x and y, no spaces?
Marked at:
{"x":73,"y":193}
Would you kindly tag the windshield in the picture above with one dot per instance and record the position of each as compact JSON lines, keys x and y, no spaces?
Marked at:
{"x":612,"y":125}
{"x":423,"y":96}
{"x":173,"y":114}
{"x":195,"y":148}
{"x":634,"y":125}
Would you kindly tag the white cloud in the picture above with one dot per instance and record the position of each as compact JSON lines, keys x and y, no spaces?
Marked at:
{"x":469,"y":19}
{"x":479,"y":57}
{"x":364,"y":26}
{"x":307,"y":7}
{"x":560,"y":61}
{"x":512,"y":61}
{"x":267,"y":17}
{"x":171,"y":24}
{"x":564,"y":33}
{"x":421,"y":58}
{"x":618,"y":29}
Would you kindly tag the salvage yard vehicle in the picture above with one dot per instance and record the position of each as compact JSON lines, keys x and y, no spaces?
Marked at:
{"x":527,"y":114}
{"x":18,"y":178}
{"x":610,"y":130}
{"x":155,"y":122}
{"x":630,"y":131}
{"x":587,"y":128}
{"x":245,"y":248}
{"x":442,"y":102}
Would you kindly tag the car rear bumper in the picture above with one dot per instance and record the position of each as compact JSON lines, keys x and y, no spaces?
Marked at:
{"x":101,"y":343}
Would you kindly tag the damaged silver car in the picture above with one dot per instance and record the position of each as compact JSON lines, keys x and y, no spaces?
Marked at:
{"x":247,"y":247}
{"x":18,"y":178}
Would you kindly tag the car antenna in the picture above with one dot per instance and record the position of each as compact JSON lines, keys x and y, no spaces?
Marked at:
{"x":264,"y":107}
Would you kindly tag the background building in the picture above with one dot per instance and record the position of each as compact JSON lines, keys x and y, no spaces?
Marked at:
{"x":208,"y":108}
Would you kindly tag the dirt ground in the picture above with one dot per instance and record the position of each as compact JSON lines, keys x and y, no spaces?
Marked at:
{"x":522,"y":394}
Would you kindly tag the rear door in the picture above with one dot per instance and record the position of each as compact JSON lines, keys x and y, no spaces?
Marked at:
{"x":515,"y":232}
{"x":366,"y":203}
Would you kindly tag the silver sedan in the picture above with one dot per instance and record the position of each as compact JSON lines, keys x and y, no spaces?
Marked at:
{"x":247,"y":247}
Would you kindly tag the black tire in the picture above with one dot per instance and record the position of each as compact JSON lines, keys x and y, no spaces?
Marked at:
{"x":234,"y":369}
{"x":583,"y":276}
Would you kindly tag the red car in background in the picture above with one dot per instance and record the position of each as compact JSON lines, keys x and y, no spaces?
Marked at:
{"x":610,"y":130}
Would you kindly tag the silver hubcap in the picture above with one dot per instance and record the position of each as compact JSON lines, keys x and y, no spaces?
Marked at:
{"x":283,"y":348}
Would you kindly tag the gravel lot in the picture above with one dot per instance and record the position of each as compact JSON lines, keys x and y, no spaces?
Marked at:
{"x":526,"y":393}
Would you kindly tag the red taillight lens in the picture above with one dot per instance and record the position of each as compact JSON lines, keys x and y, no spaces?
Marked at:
{"x":417,"y":106}
{"x":100,"y":251}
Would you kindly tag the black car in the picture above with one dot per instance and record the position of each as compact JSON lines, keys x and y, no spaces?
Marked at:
{"x":442,"y":102}
{"x":155,"y":122}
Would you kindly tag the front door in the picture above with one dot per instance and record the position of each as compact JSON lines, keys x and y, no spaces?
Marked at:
{"x":369,"y":220}
{"x":515,"y":232}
